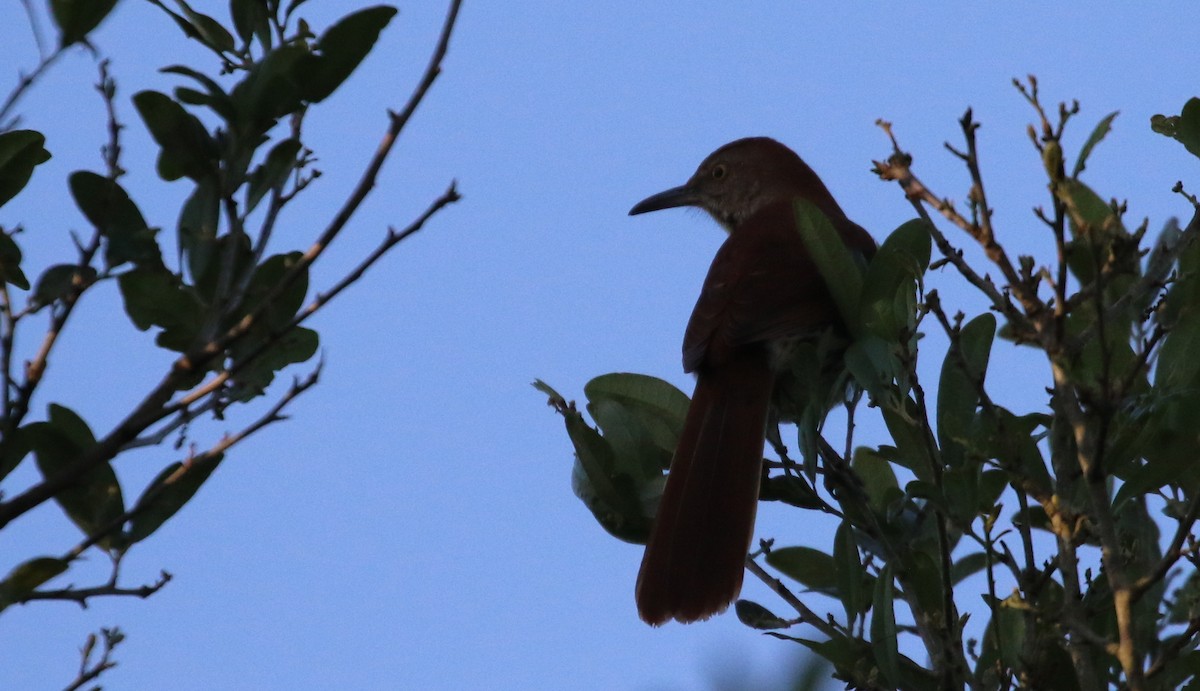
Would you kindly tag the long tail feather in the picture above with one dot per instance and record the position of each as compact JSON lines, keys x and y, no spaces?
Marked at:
{"x":695,"y":559}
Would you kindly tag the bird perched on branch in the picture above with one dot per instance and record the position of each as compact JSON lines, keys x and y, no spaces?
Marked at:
{"x":762,"y":295}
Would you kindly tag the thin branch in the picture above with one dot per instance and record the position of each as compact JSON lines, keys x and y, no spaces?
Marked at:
{"x":89,"y":671}
{"x":806,"y":615}
{"x":275,"y":414}
{"x":23,"y":84}
{"x":81,"y":596}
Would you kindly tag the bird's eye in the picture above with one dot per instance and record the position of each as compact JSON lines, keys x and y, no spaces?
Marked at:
{"x":718,"y":172}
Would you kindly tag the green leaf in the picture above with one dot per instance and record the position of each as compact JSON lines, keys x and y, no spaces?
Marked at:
{"x":295,"y":346}
{"x":1185,"y":127}
{"x":61,"y":280}
{"x":618,"y":504}
{"x":659,"y":407}
{"x":186,"y":147}
{"x":20,"y":152}
{"x":879,"y":480}
{"x":207,"y":30}
{"x":94,"y":501}
{"x":967,"y":566}
{"x":269,"y":91}
{"x":77,"y":18}
{"x":250,"y":17}
{"x":758,"y":617}
{"x":273,"y":173}
{"x":156,"y":297}
{"x":197,"y":233}
{"x":1102,"y":129}
{"x":883,"y":628}
{"x":168,"y":492}
{"x":284,"y":305}
{"x":1005,"y":634}
{"x":27,"y":576}
{"x":10,"y":262}
{"x":834,"y":260}
{"x":963,"y":373}
{"x":853,"y":584}
{"x":810,"y":567}
{"x":340,"y":50}
{"x":213,"y":97}
{"x":790,"y":489}
{"x":108,"y":207}
{"x":13,"y":449}
{"x":889,"y":292}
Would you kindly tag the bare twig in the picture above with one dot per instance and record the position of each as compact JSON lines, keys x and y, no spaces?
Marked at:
{"x":89,"y":671}
{"x":81,"y":596}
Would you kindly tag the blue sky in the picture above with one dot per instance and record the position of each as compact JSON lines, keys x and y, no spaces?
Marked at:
{"x":413,"y":526}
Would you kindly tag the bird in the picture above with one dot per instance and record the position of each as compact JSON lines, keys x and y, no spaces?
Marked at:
{"x":762,"y":295}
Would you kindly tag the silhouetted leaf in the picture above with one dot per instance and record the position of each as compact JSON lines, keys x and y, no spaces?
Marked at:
{"x":168,"y":492}
{"x":107,"y":206}
{"x":250,"y":17}
{"x":10,"y":262}
{"x":60,"y":280}
{"x":295,"y":346}
{"x":269,"y":91}
{"x":77,"y":18}
{"x":93,"y":502}
{"x":213,"y":96}
{"x":1102,"y":129}
{"x":27,"y":576}
{"x":758,"y":617}
{"x":790,"y":489}
{"x":967,"y":565}
{"x":20,"y":152}
{"x":207,"y":30}
{"x":156,"y":297}
{"x":186,"y":149}
{"x":340,"y":49}
{"x":273,"y":173}
{"x":1184,"y":127}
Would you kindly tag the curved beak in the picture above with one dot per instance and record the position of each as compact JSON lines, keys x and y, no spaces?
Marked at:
{"x":669,"y":199}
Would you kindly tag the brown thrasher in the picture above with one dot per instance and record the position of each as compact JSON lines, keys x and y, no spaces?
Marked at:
{"x":761,"y":294}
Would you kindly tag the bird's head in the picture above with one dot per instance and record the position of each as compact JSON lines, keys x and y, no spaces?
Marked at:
{"x":737,"y":180}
